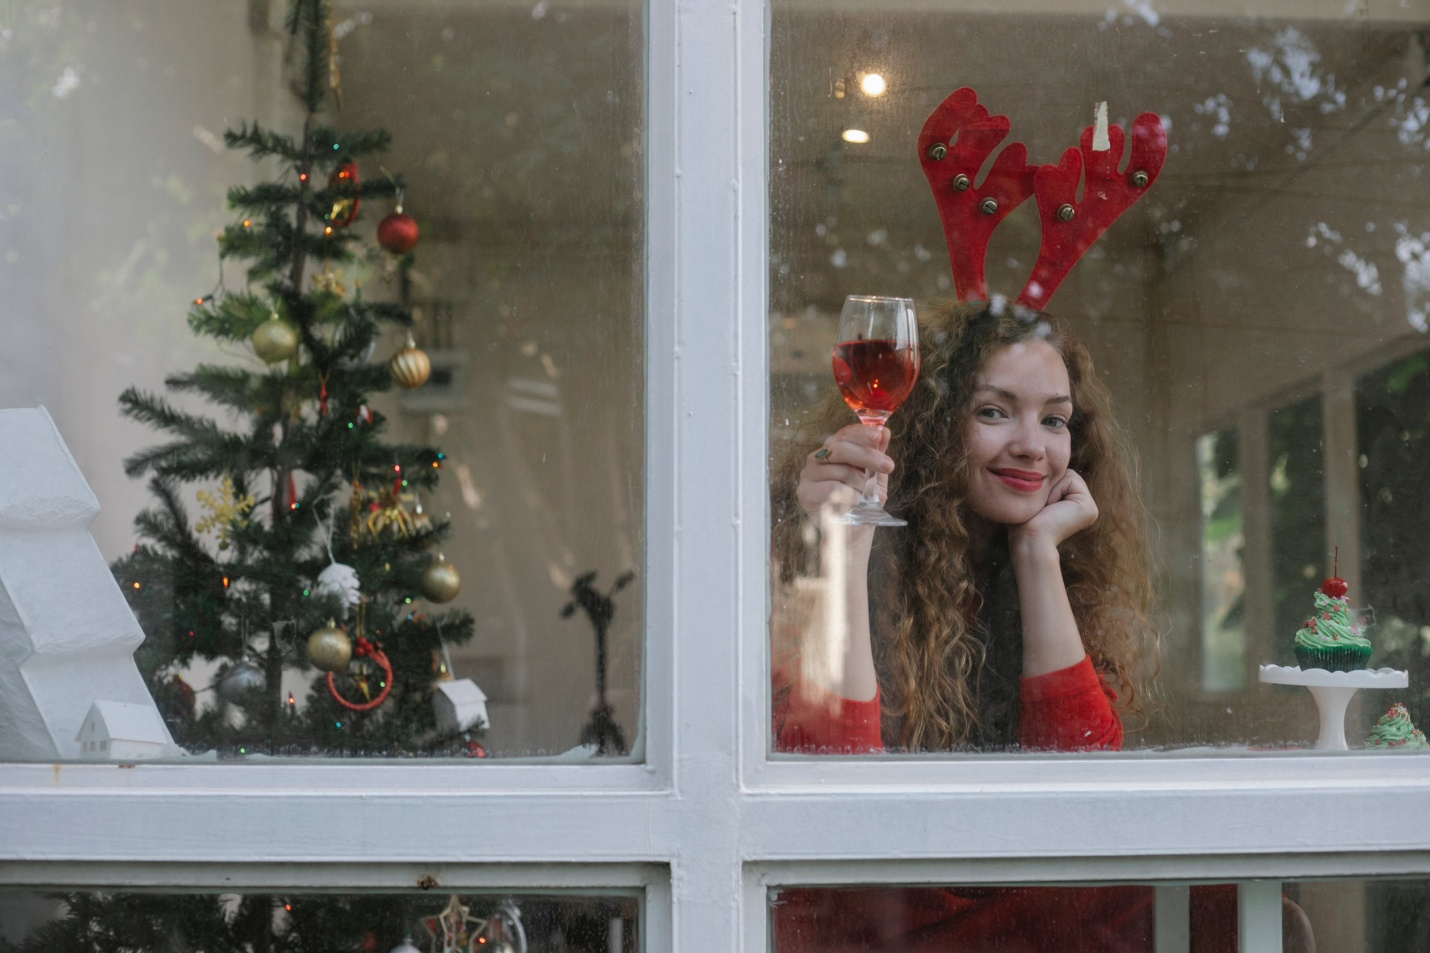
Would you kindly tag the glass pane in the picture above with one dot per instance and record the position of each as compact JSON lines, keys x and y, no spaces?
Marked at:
{"x":1297,"y":484}
{"x":1353,"y":916}
{"x":469,"y":171}
{"x":400,"y":923}
{"x":1242,"y":293}
{"x":1223,"y":574}
{"x":1392,"y":413}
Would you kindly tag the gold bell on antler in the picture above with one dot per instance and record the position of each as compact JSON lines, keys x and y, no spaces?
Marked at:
{"x":410,"y":366}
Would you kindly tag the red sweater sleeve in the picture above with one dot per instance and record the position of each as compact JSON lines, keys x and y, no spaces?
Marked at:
{"x":809,"y":720}
{"x":1068,"y":710}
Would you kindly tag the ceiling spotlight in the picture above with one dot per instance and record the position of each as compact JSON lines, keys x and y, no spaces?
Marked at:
{"x":872,"y":84}
{"x":856,"y":136}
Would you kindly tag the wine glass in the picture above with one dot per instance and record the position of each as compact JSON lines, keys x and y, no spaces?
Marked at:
{"x":876,"y":363}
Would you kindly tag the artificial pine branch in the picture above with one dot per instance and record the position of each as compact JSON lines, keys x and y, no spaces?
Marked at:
{"x":348,"y":144}
{"x":261,"y":143}
{"x":261,"y":196}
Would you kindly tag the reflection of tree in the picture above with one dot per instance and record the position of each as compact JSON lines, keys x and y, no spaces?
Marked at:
{"x":1393,"y":428}
{"x":1298,"y":528}
{"x":269,"y":923}
{"x":1223,"y":579}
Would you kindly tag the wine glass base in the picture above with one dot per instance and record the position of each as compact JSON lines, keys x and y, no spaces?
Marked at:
{"x":871,"y":516}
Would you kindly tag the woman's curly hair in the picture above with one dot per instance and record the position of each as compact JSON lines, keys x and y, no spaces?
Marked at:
{"x":922,"y":577}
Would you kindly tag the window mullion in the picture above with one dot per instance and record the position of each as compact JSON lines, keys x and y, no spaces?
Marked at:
{"x":717,"y":412}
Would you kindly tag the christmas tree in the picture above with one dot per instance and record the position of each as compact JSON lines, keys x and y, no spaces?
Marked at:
{"x":310,"y":553}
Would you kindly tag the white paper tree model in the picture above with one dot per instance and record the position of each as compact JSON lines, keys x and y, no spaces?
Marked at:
{"x":67,"y":637}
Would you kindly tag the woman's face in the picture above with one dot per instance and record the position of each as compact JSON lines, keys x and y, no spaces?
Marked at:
{"x":1017,"y":432}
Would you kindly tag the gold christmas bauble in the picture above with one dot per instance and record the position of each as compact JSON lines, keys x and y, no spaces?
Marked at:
{"x":329,"y":648}
{"x":410,"y":367}
{"x":275,"y":340}
{"x":440,"y":582}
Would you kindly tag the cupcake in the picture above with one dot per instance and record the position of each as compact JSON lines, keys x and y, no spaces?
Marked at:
{"x":1395,"y":731}
{"x":1329,"y":640}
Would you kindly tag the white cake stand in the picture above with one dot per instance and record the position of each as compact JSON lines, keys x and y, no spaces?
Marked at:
{"x":1333,"y":691}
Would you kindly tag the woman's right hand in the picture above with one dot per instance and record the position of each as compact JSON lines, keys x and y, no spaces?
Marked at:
{"x":833,"y":474}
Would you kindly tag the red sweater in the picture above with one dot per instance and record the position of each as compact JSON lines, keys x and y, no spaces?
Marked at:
{"x":1067,"y":710}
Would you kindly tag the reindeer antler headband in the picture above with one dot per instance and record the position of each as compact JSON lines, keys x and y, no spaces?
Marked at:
{"x":960,"y":135}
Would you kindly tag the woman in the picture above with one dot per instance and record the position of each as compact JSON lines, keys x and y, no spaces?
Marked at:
{"x":1012,"y":610}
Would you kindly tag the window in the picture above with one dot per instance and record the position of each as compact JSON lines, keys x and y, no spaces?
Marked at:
{"x":1226,"y":316}
{"x":708,"y":828}
{"x":519,"y":175}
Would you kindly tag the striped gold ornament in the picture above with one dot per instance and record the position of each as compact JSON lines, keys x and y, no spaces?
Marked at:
{"x":410,"y":366}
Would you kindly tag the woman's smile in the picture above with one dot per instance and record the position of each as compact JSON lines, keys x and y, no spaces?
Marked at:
{"x":1024,"y":481}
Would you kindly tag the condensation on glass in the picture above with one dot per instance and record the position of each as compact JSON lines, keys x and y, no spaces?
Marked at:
{"x":1358,"y":916}
{"x":518,"y":130}
{"x":1260,"y":316}
{"x":34,"y":920}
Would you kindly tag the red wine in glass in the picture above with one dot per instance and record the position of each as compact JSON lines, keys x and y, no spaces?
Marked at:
{"x":875,"y":376}
{"x":876,"y":363}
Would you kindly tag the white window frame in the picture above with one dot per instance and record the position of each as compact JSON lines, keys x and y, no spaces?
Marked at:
{"x":708,"y":824}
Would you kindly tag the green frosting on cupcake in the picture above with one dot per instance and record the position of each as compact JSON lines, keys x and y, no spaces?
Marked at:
{"x":1330,"y":627}
{"x":1394,"y":730}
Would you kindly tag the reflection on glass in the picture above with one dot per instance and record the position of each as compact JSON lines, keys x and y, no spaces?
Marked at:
{"x":34,"y":921}
{"x":1297,"y":484}
{"x":503,"y":220}
{"x":1223,"y":575}
{"x":1355,"y":916}
{"x":1393,"y":432}
{"x":1242,"y":277}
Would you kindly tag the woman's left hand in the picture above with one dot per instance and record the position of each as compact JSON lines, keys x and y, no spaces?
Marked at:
{"x":1069,"y":510}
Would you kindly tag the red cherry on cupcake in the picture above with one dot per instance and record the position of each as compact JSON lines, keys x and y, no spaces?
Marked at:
{"x":1335,"y":587}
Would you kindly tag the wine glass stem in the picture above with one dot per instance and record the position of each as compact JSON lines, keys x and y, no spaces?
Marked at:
{"x":869,"y":497}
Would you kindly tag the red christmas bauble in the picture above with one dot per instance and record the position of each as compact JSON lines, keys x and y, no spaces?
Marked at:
{"x":1335,"y":587}
{"x":398,"y":233}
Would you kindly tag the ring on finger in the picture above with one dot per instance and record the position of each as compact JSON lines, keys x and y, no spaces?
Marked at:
{"x":822,"y":453}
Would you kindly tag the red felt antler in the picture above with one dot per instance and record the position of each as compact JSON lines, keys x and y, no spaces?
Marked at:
{"x":971,"y":211}
{"x":955,"y":142}
{"x":1070,"y":227}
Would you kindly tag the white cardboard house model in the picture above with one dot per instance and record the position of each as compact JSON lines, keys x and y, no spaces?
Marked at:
{"x":122,"y":732}
{"x":459,"y":704}
{"x":67,"y":637}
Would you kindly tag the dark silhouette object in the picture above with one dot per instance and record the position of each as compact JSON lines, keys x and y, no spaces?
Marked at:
{"x":602,"y":730}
